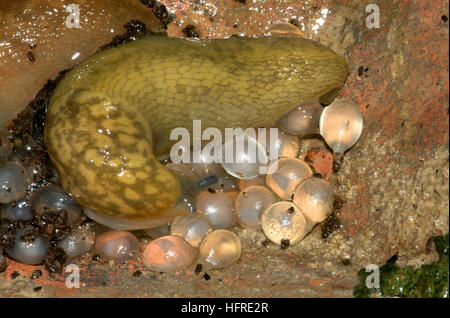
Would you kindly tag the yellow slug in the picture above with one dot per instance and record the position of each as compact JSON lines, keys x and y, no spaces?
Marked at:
{"x":111,"y":116}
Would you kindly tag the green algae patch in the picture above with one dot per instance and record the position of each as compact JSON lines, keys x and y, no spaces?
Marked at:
{"x":429,"y":281}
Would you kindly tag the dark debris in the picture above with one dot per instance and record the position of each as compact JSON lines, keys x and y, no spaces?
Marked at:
{"x":329,"y":225}
{"x":36,"y":274}
{"x":137,"y":273}
{"x":134,"y":30}
{"x":7,"y":237}
{"x":393,"y":259}
{"x":285,"y":243}
{"x":346,"y":262}
{"x":159,"y":10}
{"x":15,"y":274}
{"x":55,"y":260}
{"x":190,"y":31}
{"x":3,"y":264}
{"x":198,"y":269}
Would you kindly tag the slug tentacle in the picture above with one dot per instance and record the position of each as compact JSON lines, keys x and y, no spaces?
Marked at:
{"x":105,"y":112}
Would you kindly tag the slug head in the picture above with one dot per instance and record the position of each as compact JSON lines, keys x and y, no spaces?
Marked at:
{"x":315,"y":70}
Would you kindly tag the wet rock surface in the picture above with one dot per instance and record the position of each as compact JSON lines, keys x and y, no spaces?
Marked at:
{"x":394,"y":181}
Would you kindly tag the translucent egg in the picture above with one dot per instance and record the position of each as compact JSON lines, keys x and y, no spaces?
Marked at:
{"x":53,"y":199}
{"x":185,"y":205}
{"x":182,"y":169}
{"x":204,"y":168}
{"x":208,"y":181}
{"x":192,"y":228}
{"x":224,"y":182}
{"x":302,"y":120}
{"x":251,"y":203}
{"x":169,"y":254}
{"x":28,"y":252}
{"x":159,"y":231}
{"x":186,"y":201}
{"x":203,"y":176}
{"x":79,"y":242}
{"x":244,"y":157}
{"x":283,"y":223}
{"x":259,"y":180}
{"x":189,"y":186}
{"x":3,"y":153}
{"x":217,"y":207}
{"x":119,"y":246}
{"x":315,"y":199}
{"x":285,"y":145}
{"x":289,"y":172}
{"x":219,"y":249}
{"x":13,"y":182}
{"x":341,"y":124}
{"x":15,"y":212}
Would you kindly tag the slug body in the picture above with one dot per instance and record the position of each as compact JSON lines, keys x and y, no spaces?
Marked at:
{"x":110,"y":118}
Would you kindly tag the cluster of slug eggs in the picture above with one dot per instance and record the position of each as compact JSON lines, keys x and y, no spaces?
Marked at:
{"x":285,"y":204}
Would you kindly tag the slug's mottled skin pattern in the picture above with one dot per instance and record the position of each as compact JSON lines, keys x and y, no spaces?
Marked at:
{"x":107,"y":112}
